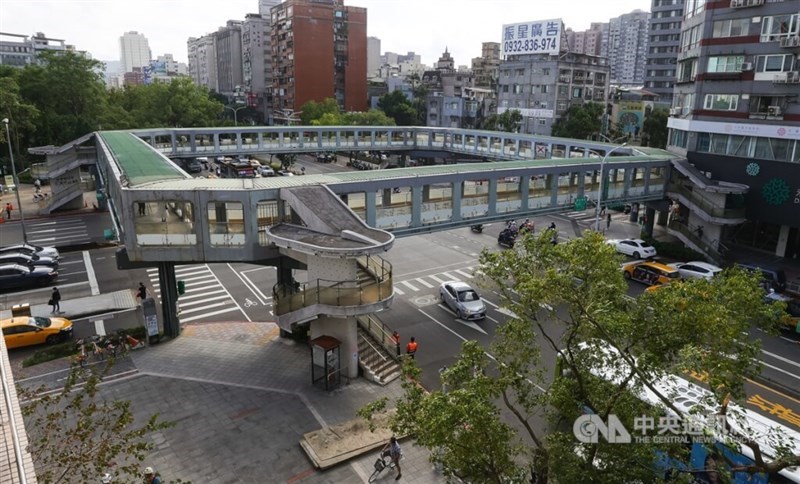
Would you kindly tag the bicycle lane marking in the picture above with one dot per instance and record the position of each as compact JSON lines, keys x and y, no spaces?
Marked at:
{"x":228,"y":293}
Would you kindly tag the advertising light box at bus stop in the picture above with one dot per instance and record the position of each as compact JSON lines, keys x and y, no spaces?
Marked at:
{"x":535,"y":37}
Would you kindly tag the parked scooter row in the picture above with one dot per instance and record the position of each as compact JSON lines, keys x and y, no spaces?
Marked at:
{"x":362,"y":165}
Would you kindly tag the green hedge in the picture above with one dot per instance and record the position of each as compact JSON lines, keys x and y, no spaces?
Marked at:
{"x":61,"y":350}
{"x":675,"y":250}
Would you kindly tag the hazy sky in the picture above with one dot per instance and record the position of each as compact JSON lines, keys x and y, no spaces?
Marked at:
{"x":423,"y":26}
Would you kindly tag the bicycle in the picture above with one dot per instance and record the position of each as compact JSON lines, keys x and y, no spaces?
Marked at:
{"x":382,"y":463}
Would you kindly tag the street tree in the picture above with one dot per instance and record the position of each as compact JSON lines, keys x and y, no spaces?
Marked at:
{"x":22,"y":115}
{"x":508,"y":121}
{"x":504,"y":416}
{"x":75,"y":434}
{"x":373,"y":117}
{"x":654,"y":130}
{"x":69,"y":92}
{"x":313,"y":110}
{"x":397,"y":106}
{"x":579,"y":122}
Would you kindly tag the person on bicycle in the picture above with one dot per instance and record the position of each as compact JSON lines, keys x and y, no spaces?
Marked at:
{"x":392,"y":449}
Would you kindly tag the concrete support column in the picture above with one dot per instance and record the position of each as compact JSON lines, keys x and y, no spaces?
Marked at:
{"x":524,"y":192}
{"x":386,"y":197}
{"x":627,"y":180}
{"x":216,"y":141}
{"x":416,"y":206}
{"x":646,"y":180}
{"x":371,"y":208}
{"x":552,"y":183}
{"x":193,"y":142}
{"x":173,"y":142}
{"x":239,"y":140}
{"x":346,"y":331}
{"x":661,"y":219}
{"x":260,"y":137}
{"x":581,"y":183}
{"x":783,"y":241}
{"x":426,"y":193}
{"x":492,"y":196}
{"x":649,"y":215}
{"x":169,"y":299}
{"x":634,"y":215}
{"x":458,"y":193}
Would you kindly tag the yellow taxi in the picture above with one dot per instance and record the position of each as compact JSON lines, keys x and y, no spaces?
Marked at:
{"x":34,"y":330}
{"x":651,"y":273}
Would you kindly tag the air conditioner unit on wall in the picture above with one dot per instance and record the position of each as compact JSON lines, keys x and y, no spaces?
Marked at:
{"x":774,"y":111}
{"x":747,"y":66}
{"x":675,"y":111}
{"x":790,"y":41}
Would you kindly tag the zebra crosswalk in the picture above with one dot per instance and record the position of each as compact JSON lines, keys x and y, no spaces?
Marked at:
{"x":424,"y":282}
{"x":60,"y":231}
{"x":205,"y":295}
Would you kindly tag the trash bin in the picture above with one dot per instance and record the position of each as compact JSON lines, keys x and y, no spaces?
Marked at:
{"x":19,"y":310}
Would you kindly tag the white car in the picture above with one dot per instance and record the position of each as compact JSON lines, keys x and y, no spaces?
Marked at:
{"x":636,"y":248}
{"x":463,"y":300}
{"x":28,"y":249}
{"x":696,"y":269}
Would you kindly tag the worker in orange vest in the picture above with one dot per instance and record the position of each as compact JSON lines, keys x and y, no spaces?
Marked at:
{"x":396,"y":339}
{"x":411,"y":348}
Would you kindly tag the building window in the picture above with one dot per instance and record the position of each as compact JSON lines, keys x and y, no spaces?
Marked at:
{"x":685,"y":101}
{"x":687,"y":70}
{"x":762,"y":106}
{"x":517,"y":89}
{"x":505,"y":88}
{"x":721,"y":102}
{"x":577,"y":92}
{"x":774,"y":63}
{"x":693,"y":7}
{"x":779,"y":26}
{"x":691,"y":38}
{"x":731,"y":28}
{"x":545,"y":89}
{"x":678,"y":138}
{"x":519,"y":72}
{"x":562,"y":106}
{"x":546,"y":71}
{"x":726,"y":63}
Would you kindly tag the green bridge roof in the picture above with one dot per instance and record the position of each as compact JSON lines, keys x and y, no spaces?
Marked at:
{"x":138,"y":160}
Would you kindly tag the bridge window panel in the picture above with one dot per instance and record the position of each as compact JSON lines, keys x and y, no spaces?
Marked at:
{"x":437,"y":139}
{"x":382,"y":138}
{"x":328,"y":138}
{"x":393,"y":208}
{"x":526,"y":149}
{"x":657,"y":179}
{"x":268,"y":214}
{"x":270,"y":138}
{"x":567,"y":188}
{"x":475,"y":199}
{"x":164,"y":223}
{"x":310,"y":138}
{"x":291,"y":139}
{"x":616,"y":184}
{"x":559,"y":151}
{"x":637,"y":182}
{"x":227,"y":142}
{"x":508,"y":194}
{"x":348,"y":138}
{"x":541,"y":150}
{"x":437,"y":203}
{"x":249,"y":140}
{"x":539,"y":191}
{"x":398,"y":137}
{"x":509,"y":147}
{"x":226,"y":223}
{"x":356,"y":201}
{"x":162,"y":141}
{"x":458,"y":140}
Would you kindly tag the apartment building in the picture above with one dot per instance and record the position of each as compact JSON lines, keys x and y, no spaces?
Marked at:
{"x":625,"y":45}
{"x":20,"y":50}
{"x":203,"y":61}
{"x":134,"y":51}
{"x":484,"y":68}
{"x":736,"y":117}
{"x":588,"y":41}
{"x":319,"y":50}
{"x":662,"y":47}
{"x":373,"y":57}
{"x":230,"y":68}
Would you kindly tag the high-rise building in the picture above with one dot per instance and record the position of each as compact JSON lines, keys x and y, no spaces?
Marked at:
{"x":228,"y":46}
{"x":662,"y":47}
{"x":735,"y":116}
{"x":134,"y":51}
{"x":319,"y":50}
{"x":625,"y":46}
{"x":373,"y":56}
{"x":255,"y":52}
{"x":264,"y":7}
{"x":484,"y":68}
{"x":203,"y":61}
{"x":588,"y":41}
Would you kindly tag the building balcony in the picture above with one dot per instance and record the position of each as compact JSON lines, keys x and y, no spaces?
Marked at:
{"x":791,"y":77}
{"x":371,"y":291}
{"x":746,"y":3}
{"x":792,"y":42}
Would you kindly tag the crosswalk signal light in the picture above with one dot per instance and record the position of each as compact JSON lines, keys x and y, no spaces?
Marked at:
{"x":181,"y":288}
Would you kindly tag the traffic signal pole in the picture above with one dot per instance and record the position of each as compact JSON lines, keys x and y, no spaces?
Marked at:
{"x":169,"y":299}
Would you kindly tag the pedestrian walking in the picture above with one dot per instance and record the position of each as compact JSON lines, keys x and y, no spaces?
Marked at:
{"x":396,"y":339}
{"x":9,"y":208}
{"x":37,"y":184}
{"x":141,"y":208}
{"x":608,"y":221}
{"x":150,"y":476}
{"x":392,"y":450}
{"x":55,"y":301}
{"x":411,"y":348}
{"x":142,"y":292}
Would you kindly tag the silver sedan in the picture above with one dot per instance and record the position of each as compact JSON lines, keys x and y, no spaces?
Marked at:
{"x":462,"y":299}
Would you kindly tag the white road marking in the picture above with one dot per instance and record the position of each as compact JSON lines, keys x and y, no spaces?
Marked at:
{"x":186,"y":304}
{"x":201,"y":308}
{"x":398,"y":291}
{"x":781,"y":358}
{"x":215,"y":313}
{"x":250,"y":285}
{"x":450,"y":276}
{"x":464,"y":273}
{"x":424,"y":282}
{"x":409,"y":285}
{"x":99,"y":327}
{"x":440,"y":281}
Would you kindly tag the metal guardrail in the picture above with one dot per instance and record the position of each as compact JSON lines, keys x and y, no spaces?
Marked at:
{"x":380,"y":332}
{"x":702,"y":243}
{"x":331,"y":293}
{"x":708,"y":206}
{"x":12,"y":420}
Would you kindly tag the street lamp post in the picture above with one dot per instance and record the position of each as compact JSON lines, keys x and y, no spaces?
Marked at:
{"x":16,"y":182}
{"x":235,"y":111}
{"x":288,"y":115}
{"x":602,"y":178}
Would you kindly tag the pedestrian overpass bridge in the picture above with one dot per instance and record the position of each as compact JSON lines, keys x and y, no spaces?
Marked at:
{"x":335,"y":226}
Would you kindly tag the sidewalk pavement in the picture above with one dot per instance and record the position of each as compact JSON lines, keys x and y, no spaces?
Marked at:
{"x":32,"y":209}
{"x":84,"y":306}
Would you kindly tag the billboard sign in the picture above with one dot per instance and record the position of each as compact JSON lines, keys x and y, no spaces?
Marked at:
{"x":537,"y":37}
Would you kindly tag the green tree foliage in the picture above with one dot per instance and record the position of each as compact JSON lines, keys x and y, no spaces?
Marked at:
{"x":397,"y":106}
{"x":68,"y":91}
{"x":579,"y":122}
{"x":22,"y":115}
{"x":313,"y":110}
{"x":180,"y":103}
{"x":75,"y":433}
{"x":373,"y":117}
{"x":503,"y":415}
{"x":509,"y":121}
{"x":654,"y":130}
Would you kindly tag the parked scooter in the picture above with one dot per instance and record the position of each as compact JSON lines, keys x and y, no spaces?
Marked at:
{"x":477,"y":228}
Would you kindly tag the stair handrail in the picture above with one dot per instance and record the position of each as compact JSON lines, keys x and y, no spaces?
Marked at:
{"x":703,"y":244}
{"x":381,"y":332}
{"x":376,"y":350}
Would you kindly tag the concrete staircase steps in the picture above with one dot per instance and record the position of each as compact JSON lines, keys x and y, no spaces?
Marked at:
{"x":376,"y":362}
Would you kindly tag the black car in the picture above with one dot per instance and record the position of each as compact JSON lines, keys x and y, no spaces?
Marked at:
{"x":15,"y":276}
{"x":27,"y":259}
